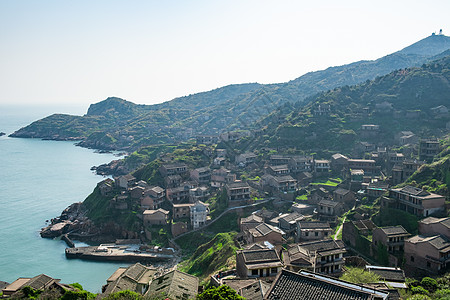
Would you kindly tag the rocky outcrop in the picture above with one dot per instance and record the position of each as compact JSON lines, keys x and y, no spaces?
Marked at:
{"x":114,"y":168}
{"x":74,"y":223}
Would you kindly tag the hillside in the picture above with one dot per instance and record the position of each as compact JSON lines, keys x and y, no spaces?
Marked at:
{"x":119,"y":124}
{"x":333,"y":120}
{"x":435,"y":177}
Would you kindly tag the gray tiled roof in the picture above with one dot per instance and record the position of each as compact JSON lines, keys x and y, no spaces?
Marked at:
{"x":175,"y":284}
{"x":263,"y":255}
{"x":290,"y":285}
{"x":323,"y":245}
{"x":414,"y":191}
{"x":312,"y":225}
{"x":394,"y":230}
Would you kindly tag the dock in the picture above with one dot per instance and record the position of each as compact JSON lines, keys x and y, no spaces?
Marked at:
{"x":125,"y":253}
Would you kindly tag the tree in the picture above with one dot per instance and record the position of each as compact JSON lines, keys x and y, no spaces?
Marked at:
{"x":222,"y":292}
{"x":360,"y":276}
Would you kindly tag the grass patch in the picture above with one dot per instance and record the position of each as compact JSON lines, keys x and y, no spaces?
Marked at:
{"x":215,"y":255}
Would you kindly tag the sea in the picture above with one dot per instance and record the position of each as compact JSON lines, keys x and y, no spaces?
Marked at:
{"x":38,"y":180}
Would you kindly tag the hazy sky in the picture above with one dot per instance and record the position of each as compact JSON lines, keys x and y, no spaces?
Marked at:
{"x":152,"y":51}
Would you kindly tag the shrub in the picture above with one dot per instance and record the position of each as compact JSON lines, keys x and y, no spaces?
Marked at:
{"x":419,"y":290}
{"x":429,"y":283}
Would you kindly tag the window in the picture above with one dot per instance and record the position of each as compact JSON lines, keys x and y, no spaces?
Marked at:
{"x":255,"y":272}
{"x":307,"y":233}
{"x":428,"y":264}
{"x":273,"y":270}
{"x":316,"y":233}
{"x":326,"y":233}
{"x":412,"y":258}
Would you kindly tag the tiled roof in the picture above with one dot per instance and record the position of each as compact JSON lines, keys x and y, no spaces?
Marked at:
{"x":302,"y":286}
{"x":255,"y":290}
{"x":394,"y":230}
{"x":437,"y":241}
{"x":313,"y":225}
{"x":237,"y":185}
{"x":41,"y":281}
{"x":414,"y":191}
{"x":257,"y":256}
{"x":175,"y":284}
{"x":328,"y":203}
{"x":252,"y":218}
{"x":322,"y":246}
{"x":341,"y":191}
{"x":388,"y":273}
{"x":291,"y":218}
{"x":264,"y":229}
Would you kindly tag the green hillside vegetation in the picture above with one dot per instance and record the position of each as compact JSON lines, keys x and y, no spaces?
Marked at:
{"x":410,"y":93}
{"x":435,"y":177}
{"x":215,"y":255}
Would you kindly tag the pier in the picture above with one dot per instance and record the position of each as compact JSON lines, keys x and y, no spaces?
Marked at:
{"x":115,"y":252}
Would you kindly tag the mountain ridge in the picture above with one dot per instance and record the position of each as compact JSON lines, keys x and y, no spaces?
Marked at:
{"x":123,"y":125}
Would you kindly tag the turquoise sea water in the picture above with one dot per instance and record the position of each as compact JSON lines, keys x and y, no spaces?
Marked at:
{"x":39,"y":179}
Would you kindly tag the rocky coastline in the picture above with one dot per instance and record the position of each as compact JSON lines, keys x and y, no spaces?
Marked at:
{"x":74,"y":223}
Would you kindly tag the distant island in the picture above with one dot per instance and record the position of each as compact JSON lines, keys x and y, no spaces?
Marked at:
{"x":2,"y":133}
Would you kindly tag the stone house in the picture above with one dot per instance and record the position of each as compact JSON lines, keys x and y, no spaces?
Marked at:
{"x":299,"y":164}
{"x":180,"y":211}
{"x":324,"y":256}
{"x":174,"y":285}
{"x":403,"y":171}
{"x":201,"y":175}
{"x":414,"y":201}
{"x":321,"y":166}
{"x":148,"y":203}
{"x":135,"y":278}
{"x":276,"y":160}
{"x":172,"y":181}
{"x":330,"y":208}
{"x":288,"y":222}
{"x":257,"y":263}
{"x":136,"y":192}
{"x":221,"y":177}
{"x":392,"y":237}
{"x":302,"y":208}
{"x":313,"y":230}
{"x":278,"y":170}
{"x":155,"y":217}
{"x":250,"y":222}
{"x":246,"y":158}
{"x":282,"y":184}
{"x":352,"y":231}
{"x":106,"y":187}
{"x":173,"y":169}
{"x":344,"y":196}
{"x":39,"y":282}
{"x":264,"y":232}
{"x":433,"y":226}
{"x":157,"y":194}
{"x":200,"y":193}
{"x":428,"y":149}
{"x":125,"y":181}
{"x":318,"y":195}
{"x":338,"y":162}
{"x":426,"y":255}
{"x":238,"y":191}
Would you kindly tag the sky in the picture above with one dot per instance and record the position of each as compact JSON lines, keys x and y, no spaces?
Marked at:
{"x":81,"y":52}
